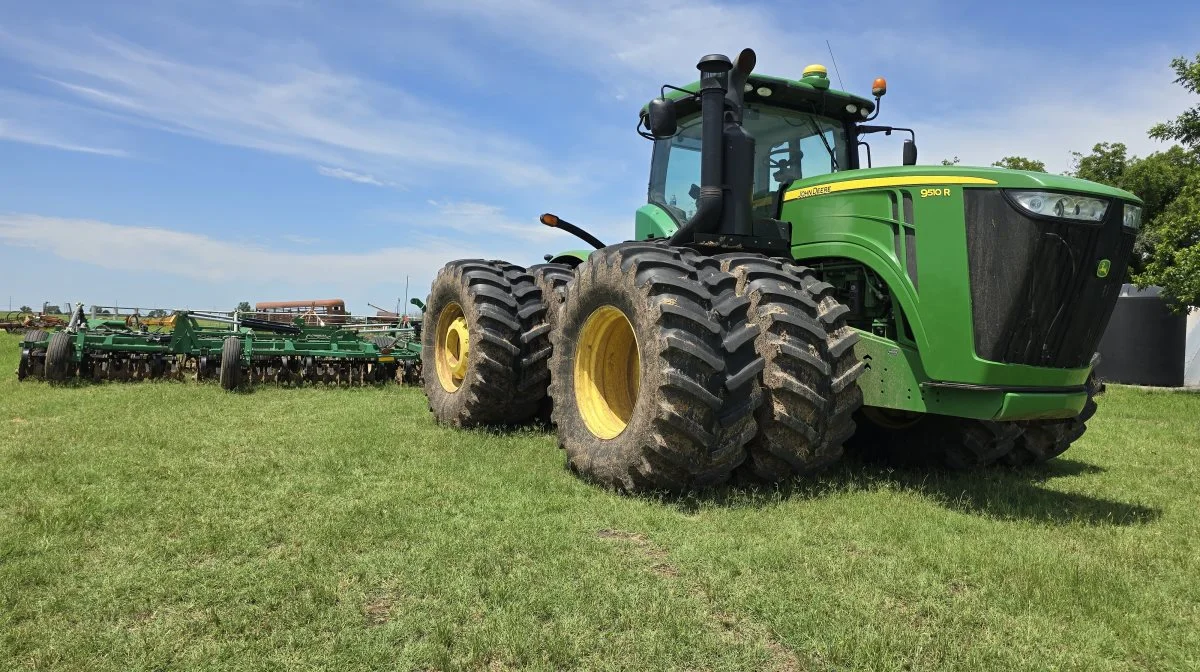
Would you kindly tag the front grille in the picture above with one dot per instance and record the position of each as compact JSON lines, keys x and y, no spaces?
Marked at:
{"x":1035,"y":297}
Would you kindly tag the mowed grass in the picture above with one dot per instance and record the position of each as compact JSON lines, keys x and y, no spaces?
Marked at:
{"x":175,"y":526}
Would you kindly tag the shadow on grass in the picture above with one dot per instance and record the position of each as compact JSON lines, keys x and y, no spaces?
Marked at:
{"x":998,"y":493}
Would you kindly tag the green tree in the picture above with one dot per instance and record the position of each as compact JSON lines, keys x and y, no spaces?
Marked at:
{"x":1173,"y":245}
{"x":157,"y":312}
{"x":1106,"y":164}
{"x":1186,"y":127}
{"x":1020,"y":163}
{"x":26,"y":309}
{"x":244,"y":307}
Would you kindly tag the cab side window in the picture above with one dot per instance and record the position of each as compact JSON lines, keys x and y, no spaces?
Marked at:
{"x":675,"y":173}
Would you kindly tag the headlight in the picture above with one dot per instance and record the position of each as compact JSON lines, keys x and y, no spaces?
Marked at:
{"x":1065,"y":206}
{"x":1133,"y":216}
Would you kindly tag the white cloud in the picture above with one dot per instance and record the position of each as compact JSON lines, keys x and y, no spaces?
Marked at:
{"x":15,"y":132}
{"x":350,"y":175}
{"x":476,"y":220}
{"x":207,"y":259}
{"x":283,"y":103}
{"x":203,"y":258}
{"x":300,"y":240}
{"x":965,"y":92}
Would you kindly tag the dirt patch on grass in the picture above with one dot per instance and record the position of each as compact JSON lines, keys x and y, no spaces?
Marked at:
{"x":740,"y":630}
{"x":648,"y":549}
{"x":377,"y":610}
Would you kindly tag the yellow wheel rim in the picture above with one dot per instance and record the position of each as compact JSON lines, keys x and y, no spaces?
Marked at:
{"x":607,"y":372}
{"x":453,"y":346}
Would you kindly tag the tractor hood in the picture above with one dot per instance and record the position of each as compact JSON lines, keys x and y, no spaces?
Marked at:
{"x":994,"y":177}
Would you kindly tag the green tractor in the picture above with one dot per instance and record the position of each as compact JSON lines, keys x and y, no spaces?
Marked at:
{"x":781,"y":299}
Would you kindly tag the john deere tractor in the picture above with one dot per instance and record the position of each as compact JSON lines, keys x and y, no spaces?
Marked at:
{"x":780,"y":299}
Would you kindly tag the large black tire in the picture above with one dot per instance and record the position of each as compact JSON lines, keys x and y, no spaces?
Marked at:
{"x":907,"y":440}
{"x":1043,"y":440}
{"x":552,"y":280}
{"x":505,"y":376}
{"x":58,"y":357}
{"x":686,"y":409}
{"x":231,"y":363}
{"x":810,"y":376}
{"x":34,"y":336}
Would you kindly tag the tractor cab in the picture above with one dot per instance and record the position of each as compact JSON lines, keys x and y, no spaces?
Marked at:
{"x":801,"y":129}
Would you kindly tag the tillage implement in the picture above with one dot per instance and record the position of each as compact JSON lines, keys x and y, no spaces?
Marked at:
{"x":238,"y":351}
{"x":782,"y":297}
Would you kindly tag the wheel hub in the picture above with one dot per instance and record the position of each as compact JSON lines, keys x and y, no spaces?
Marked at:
{"x":453,"y":347}
{"x":607,"y":372}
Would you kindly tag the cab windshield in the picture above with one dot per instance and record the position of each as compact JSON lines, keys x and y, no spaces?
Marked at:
{"x":789,"y":145}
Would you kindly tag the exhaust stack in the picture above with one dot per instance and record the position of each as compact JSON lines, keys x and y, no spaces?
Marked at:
{"x":726,"y":152}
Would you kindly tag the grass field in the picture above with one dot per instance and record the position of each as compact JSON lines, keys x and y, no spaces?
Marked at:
{"x":175,"y":526}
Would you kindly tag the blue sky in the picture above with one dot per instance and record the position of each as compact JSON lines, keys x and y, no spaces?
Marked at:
{"x":196,"y":154}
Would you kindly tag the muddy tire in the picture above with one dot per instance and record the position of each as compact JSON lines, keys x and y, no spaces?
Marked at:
{"x":58,"y":357}
{"x":231,"y":363}
{"x":655,"y":379}
{"x":552,"y":280}
{"x":931,"y":440}
{"x":1043,"y":440}
{"x":485,"y":344}
{"x":810,"y":376}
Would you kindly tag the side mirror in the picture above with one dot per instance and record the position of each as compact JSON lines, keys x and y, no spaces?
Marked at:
{"x":661,"y":121}
{"x":910,"y":153}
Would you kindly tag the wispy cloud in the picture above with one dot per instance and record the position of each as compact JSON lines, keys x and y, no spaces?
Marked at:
{"x":351,"y":176}
{"x":300,"y":240}
{"x":303,"y":108}
{"x":482,"y":220}
{"x":10,"y":130}
{"x":956,"y":101}
{"x":206,"y":258}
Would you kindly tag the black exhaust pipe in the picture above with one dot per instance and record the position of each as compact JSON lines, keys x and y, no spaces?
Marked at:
{"x":714,"y":69}
{"x":726,"y":152}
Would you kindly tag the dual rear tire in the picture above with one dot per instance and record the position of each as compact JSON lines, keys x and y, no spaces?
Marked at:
{"x":657,"y":380}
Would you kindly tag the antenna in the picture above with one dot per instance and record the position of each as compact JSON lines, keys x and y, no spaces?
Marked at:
{"x":835,"y":68}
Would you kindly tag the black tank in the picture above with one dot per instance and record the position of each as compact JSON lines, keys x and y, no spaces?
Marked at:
{"x":1144,"y":342}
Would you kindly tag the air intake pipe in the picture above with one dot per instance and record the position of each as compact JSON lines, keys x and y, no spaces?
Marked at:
{"x":726,"y":151}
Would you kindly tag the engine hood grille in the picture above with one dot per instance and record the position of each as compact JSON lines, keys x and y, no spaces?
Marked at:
{"x":1036,"y":296}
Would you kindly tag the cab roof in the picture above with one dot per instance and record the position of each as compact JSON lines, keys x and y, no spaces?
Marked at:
{"x":808,"y":94}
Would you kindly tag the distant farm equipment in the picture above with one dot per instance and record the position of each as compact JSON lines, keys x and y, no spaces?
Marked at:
{"x":320,"y":312}
{"x":237,"y":350}
{"x":15,"y":320}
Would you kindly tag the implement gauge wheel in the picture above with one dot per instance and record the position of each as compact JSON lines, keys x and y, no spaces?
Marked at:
{"x":58,"y":357}
{"x":654,"y":376}
{"x":34,"y":336}
{"x":231,"y":363}
{"x":23,"y":364}
{"x":485,"y":344}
